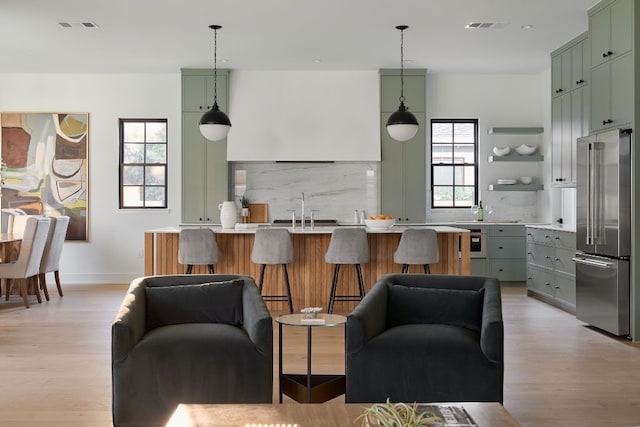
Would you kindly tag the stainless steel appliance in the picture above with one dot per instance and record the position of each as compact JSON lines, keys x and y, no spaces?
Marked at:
{"x":603,"y":233}
{"x":477,"y":246}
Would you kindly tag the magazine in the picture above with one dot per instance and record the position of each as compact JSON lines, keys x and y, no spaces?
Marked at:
{"x":448,"y":416}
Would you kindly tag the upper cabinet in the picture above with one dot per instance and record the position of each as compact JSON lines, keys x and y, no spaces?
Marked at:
{"x":569,"y":107}
{"x":611,"y":30}
{"x":414,"y":90}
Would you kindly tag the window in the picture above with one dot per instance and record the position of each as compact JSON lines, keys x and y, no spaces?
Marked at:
{"x":143,"y":163}
{"x":454,"y":164}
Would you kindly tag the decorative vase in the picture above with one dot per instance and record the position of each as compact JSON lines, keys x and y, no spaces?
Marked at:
{"x":228,"y":215}
{"x":245,"y":215}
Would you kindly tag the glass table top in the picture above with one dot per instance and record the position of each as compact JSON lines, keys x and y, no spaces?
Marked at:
{"x":321,"y":319}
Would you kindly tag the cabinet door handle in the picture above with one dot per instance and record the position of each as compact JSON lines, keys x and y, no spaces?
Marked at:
{"x":579,"y":82}
{"x":548,"y":257}
{"x":529,"y":253}
{"x":557,"y":259}
{"x":557,"y":238}
{"x":557,"y":287}
{"x":547,"y":284}
{"x":499,"y":269}
{"x":606,"y":122}
{"x":559,"y":90}
{"x":607,"y":54}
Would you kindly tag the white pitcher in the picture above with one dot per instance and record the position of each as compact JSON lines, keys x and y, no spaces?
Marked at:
{"x":228,"y":215}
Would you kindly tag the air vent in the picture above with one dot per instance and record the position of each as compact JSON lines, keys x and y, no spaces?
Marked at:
{"x":483,"y":25}
{"x":86,"y":24}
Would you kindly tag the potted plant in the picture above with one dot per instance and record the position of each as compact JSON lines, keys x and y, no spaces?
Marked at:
{"x":396,"y":415}
{"x":244,"y":202}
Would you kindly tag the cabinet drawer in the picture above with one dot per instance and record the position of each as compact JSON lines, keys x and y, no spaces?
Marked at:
{"x":565,"y":289}
{"x":540,"y":281}
{"x":541,"y":255}
{"x":565,"y":240}
{"x":508,"y":271}
{"x":478,"y":267}
{"x":539,"y":235}
{"x":506,"y":230}
{"x":563,"y":261}
{"x":506,"y":247}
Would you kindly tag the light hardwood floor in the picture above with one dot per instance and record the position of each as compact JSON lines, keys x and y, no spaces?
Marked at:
{"x":55,"y":362}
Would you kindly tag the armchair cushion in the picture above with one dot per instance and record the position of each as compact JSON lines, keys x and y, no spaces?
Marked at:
{"x":217,"y":302}
{"x":456,"y":307}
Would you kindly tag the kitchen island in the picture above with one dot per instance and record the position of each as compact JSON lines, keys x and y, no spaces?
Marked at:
{"x":310,"y":276}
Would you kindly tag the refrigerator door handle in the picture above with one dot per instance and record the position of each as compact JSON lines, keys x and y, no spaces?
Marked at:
{"x":589,"y":228}
{"x":594,"y":263}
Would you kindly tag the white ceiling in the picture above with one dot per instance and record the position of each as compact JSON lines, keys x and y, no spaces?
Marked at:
{"x":154,"y":36}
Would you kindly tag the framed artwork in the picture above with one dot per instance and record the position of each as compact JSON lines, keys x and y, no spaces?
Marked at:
{"x":45,"y":166}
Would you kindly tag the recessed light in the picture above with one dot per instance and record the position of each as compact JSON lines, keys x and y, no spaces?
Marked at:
{"x":316,"y":60}
{"x":526,"y":27}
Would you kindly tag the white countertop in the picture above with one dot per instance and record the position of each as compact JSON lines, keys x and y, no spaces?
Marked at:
{"x":251,"y":229}
{"x":555,"y":227}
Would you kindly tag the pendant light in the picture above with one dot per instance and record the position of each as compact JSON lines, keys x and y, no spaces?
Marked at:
{"x":402,"y":125}
{"x":214,"y":124}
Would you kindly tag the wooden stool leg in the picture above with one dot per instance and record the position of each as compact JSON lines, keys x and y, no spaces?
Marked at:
{"x":360,"y":281}
{"x":287,"y":287}
{"x":56,"y":275}
{"x":33,"y":282}
{"x":23,"y":291}
{"x":405,"y":268}
{"x":427,"y":270}
{"x":260,"y":282}
{"x":189,"y":268}
{"x":212,"y":270}
{"x":334,"y":286}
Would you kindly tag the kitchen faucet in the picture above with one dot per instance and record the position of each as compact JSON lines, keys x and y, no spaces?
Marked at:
{"x":302,"y":211}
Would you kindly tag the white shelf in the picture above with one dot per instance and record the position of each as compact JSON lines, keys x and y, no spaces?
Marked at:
{"x":516,"y":158}
{"x":516,"y":187}
{"x":515,"y":130}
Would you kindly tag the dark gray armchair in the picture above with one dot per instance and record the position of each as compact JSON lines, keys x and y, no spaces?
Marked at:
{"x":426,"y":338}
{"x":189,"y":339}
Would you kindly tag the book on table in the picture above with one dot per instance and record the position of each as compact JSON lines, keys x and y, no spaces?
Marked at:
{"x":448,"y":415}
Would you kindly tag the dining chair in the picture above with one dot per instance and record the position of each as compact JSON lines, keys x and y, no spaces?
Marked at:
{"x":52,"y":252}
{"x":27,"y":265}
{"x":17,"y":222}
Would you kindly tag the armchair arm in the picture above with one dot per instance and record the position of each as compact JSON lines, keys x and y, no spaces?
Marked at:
{"x":368,"y":319}
{"x":257,"y":321}
{"x":492,"y":330}
{"x":129,"y":325}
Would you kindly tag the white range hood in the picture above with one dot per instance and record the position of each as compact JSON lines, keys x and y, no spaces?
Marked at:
{"x":304,"y":116}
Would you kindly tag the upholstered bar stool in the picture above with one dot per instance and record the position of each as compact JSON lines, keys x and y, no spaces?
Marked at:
{"x":347,"y":246}
{"x":273,"y":246}
{"x":198,"y":246}
{"x":417,"y":246}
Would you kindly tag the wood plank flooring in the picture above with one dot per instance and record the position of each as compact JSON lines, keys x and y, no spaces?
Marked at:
{"x":55,"y":362}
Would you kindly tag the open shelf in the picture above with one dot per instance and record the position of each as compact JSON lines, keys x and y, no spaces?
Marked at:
{"x":515,"y":130}
{"x":516,"y":158}
{"x":516,"y":187}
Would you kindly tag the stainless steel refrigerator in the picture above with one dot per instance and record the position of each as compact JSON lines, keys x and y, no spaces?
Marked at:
{"x":603,"y":233}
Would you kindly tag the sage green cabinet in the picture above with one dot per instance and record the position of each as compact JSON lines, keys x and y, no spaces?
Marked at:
{"x":611,"y":85}
{"x":569,"y":108}
{"x":403,"y":189}
{"x":550,"y":268}
{"x":506,"y":252}
{"x":403,"y":175}
{"x":611,"y":30}
{"x":205,"y":174}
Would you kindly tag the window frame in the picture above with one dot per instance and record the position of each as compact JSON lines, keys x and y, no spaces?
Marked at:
{"x":122,"y":164}
{"x":475,"y":165}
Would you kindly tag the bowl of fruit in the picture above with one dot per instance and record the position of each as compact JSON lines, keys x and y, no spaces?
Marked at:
{"x":380,"y":221}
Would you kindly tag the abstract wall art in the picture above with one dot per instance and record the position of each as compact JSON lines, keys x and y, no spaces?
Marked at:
{"x":47,"y":171}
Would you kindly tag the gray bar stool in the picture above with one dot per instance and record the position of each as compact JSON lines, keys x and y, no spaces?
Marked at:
{"x":347,"y":246}
{"x":198,"y":246}
{"x":273,"y":246}
{"x":417,"y":246}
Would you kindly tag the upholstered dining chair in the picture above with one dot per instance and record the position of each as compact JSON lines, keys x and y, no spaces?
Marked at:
{"x":17,"y":222}
{"x":197,"y":246}
{"x":52,"y":252}
{"x":27,"y":265}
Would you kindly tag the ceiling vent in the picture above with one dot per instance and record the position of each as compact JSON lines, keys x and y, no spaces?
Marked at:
{"x":87,"y":24}
{"x":491,"y":25}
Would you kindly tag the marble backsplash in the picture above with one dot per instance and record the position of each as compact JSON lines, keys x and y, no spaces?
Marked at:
{"x":337,"y":189}
{"x":334,"y":189}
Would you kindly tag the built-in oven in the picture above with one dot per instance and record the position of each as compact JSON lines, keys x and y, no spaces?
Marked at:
{"x":477,"y":243}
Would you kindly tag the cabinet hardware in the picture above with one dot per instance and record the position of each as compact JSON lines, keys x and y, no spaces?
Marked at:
{"x":529,"y":253}
{"x":606,"y":122}
{"x":579,"y":82}
{"x":547,"y":284}
{"x":548,"y":257}
{"x":557,"y":259}
{"x":607,"y":54}
{"x":500,"y":247}
{"x":557,"y":287}
{"x":559,"y":90}
{"x":557,"y":238}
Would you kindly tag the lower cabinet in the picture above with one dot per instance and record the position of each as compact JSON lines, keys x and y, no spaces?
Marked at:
{"x":551,"y":274}
{"x":506,"y":252}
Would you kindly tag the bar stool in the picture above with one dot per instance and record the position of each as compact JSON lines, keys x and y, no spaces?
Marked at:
{"x":273,"y":246}
{"x":417,"y":246}
{"x":347,"y":246}
{"x":198,"y":246}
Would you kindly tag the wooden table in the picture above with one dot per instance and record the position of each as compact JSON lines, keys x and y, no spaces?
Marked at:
{"x":323,"y":415}
{"x":9,"y":246}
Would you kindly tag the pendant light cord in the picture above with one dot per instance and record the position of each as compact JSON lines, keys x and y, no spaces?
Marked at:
{"x":215,"y":66}
{"x":402,"y":65}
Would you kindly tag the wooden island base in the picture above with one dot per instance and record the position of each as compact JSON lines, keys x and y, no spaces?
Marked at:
{"x":309,"y":275}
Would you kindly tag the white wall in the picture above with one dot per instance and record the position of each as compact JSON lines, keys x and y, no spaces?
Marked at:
{"x":113,"y":253}
{"x":495,"y":100}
